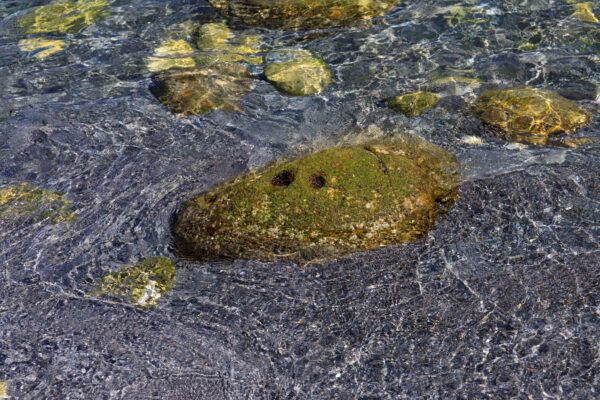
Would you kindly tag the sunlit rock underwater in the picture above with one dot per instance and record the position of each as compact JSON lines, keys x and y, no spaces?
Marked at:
{"x":42,"y":48}
{"x":25,"y":200}
{"x":174,"y":53}
{"x":414,"y":104}
{"x":293,"y":14}
{"x":585,"y":12}
{"x":142,"y":284}
{"x":530,"y":115}
{"x":3,"y":390}
{"x":326,"y":204}
{"x":297,"y":72}
{"x":64,"y":16}
{"x":221,"y":45}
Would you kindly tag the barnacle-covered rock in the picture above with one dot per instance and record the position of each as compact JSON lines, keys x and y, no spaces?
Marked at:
{"x":414,"y":104}
{"x":175,"y":53}
{"x":203,"y":90}
{"x":42,"y":48}
{"x":141,"y":284}
{"x":297,"y":72}
{"x":64,"y":16}
{"x":293,"y":14}
{"x":529,"y":115}
{"x":27,"y":201}
{"x":221,"y":45}
{"x":326,"y":204}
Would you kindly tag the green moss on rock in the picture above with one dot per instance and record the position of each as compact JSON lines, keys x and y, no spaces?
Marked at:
{"x":529,"y":115}
{"x":414,"y":104}
{"x":141,"y":284}
{"x":64,"y":16}
{"x":297,"y":72}
{"x":203,"y":90}
{"x":26,"y":200}
{"x":326,"y":204}
{"x":294,"y":14}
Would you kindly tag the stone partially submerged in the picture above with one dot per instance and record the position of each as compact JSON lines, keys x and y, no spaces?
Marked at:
{"x":529,"y":115}
{"x":297,"y":72}
{"x":295,"y":14}
{"x":63,"y":16}
{"x":27,"y":201}
{"x":326,"y":204}
{"x":141,"y":284}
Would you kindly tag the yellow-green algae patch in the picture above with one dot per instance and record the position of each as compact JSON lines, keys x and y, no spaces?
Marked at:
{"x":174,"y":53}
{"x":220,"y":45}
{"x":26,"y":200}
{"x":64,"y":16}
{"x":293,"y":14}
{"x":585,"y":12}
{"x":141,"y":284}
{"x":3,"y":390}
{"x":297,"y":72}
{"x":528,"y":114}
{"x":202,"y":90}
{"x":326,"y":204}
{"x":414,"y":104}
{"x":42,"y":47}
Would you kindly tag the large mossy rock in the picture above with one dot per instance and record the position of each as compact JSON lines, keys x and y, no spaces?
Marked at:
{"x":297,"y":14}
{"x":297,"y":72}
{"x":529,"y":115}
{"x":64,"y":16}
{"x":326,"y":204}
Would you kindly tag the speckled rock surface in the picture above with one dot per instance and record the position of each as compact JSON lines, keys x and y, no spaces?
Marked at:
{"x":499,"y":301}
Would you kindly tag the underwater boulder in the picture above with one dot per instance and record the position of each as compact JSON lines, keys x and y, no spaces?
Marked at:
{"x":528,"y":114}
{"x":221,"y":45}
{"x":141,"y":284}
{"x":297,"y":72}
{"x":63,"y":16}
{"x":413,"y":104}
{"x":27,"y":201}
{"x":203,"y":90}
{"x":326,"y":204}
{"x":295,"y":14}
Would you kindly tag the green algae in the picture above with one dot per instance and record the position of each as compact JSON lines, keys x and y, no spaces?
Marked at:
{"x":326,"y":204}
{"x":529,"y":115}
{"x":414,"y":104}
{"x":294,"y":14}
{"x":202,"y":90}
{"x":141,"y":284}
{"x":63,"y":16}
{"x":26,"y":200}
{"x":297,"y":72}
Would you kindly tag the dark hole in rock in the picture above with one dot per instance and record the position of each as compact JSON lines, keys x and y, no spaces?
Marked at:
{"x":316,"y":181}
{"x":283,"y":179}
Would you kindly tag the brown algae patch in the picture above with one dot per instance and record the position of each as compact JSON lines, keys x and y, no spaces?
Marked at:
{"x":295,"y":14}
{"x":529,"y":115}
{"x":26,"y":200}
{"x":42,"y":48}
{"x":64,"y":16}
{"x":326,"y":204}
{"x":297,"y":72}
{"x":414,"y":104}
{"x":141,"y":284}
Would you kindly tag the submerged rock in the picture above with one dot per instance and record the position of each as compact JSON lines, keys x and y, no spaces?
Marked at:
{"x":585,"y":12}
{"x":42,"y":48}
{"x":203,"y":90}
{"x":3,"y":390}
{"x":414,"y":104}
{"x":141,"y":284}
{"x":293,"y":14}
{"x":223,"y":46}
{"x":64,"y":16}
{"x":529,"y":115}
{"x":297,"y":72}
{"x":326,"y":204}
{"x":171,"y":54}
{"x":27,"y":201}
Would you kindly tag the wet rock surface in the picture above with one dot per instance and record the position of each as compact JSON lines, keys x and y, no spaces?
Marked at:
{"x":499,"y":300}
{"x":326,"y":204}
{"x":297,"y":72}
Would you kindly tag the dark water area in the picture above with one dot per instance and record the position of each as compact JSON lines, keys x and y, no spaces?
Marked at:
{"x":501,"y":300}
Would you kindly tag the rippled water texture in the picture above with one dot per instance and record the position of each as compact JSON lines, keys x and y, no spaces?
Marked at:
{"x":500,"y":300}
